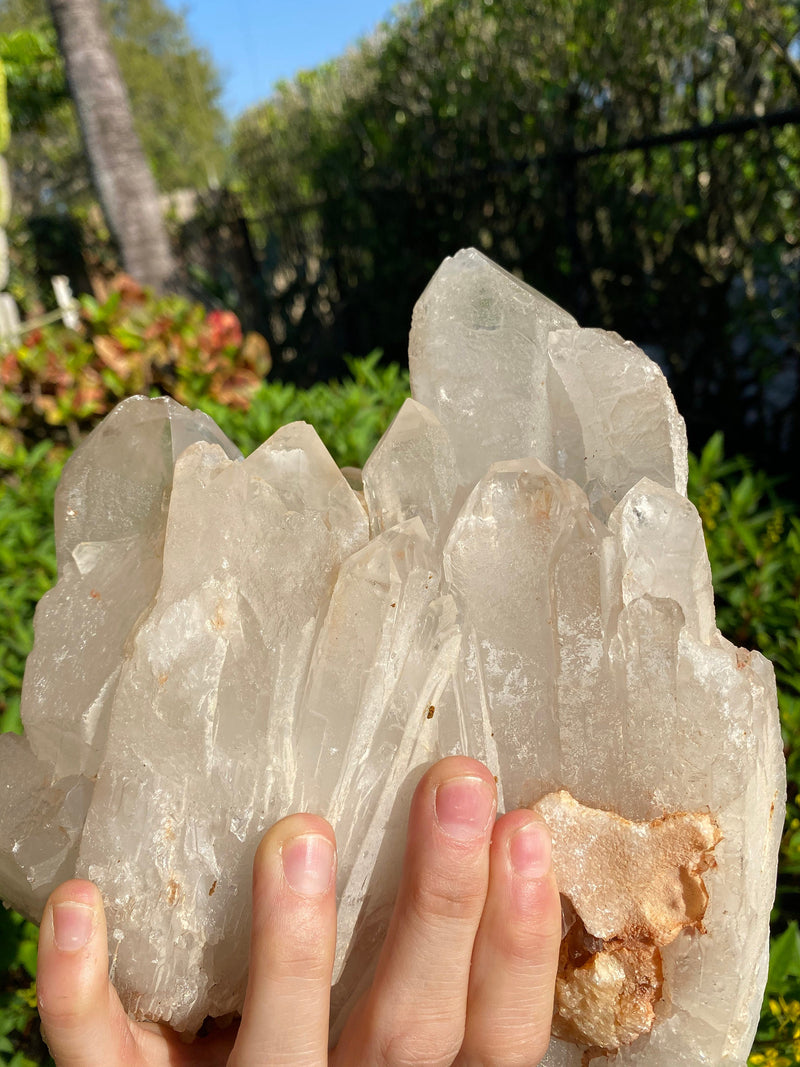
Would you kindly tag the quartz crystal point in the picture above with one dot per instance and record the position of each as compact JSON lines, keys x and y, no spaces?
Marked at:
{"x":518,"y":576}
{"x":412,"y":472}
{"x":510,"y":375}
{"x":478,"y":360}
{"x":110,"y":514}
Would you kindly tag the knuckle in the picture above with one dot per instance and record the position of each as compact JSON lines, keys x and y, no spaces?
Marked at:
{"x":459,"y":900}
{"x":60,"y":1011}
{"x":529,"y":1053}
{"x":302,"y":950}
{"x":530,"y":953}
{"x":304,"y":963}
{"x":517,"y":1033}
{"x":422,"y":1047}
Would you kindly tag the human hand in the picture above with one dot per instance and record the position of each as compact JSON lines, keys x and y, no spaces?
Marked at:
{"x":465,"y":977}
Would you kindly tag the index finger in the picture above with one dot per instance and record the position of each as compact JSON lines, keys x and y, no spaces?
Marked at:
{"x":287,"y":1007}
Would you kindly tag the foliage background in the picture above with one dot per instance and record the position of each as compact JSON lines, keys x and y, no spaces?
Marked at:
{"x":638,"y":162}
{"x":616,"y":155}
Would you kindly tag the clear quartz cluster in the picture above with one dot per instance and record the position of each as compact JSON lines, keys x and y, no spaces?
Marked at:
{"x":522,"y":579}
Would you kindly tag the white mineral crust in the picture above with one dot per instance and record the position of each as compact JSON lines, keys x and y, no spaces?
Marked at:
{"x":522,"y":580}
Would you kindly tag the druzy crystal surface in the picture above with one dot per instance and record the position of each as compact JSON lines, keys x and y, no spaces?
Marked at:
{"x":521,"y":578}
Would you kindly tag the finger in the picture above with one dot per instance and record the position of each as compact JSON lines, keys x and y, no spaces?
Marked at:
{"x":83,"y":1021}
{"x":510,"y":1003}
{"x":415,"y":1010}
{"x":285,"y":1016}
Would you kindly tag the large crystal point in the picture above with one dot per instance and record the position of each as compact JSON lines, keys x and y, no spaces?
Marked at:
{"x":478,"y":360}
{"x":110,"y":514}
{"x":412,"y":472}
{"x":388,"y":673}
{"x":498,"y":561}
{"x":522,"y":580}
{"x":511,"y":375}
{"x":629,"y":424}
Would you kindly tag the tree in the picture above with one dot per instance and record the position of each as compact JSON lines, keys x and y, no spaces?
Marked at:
{"x":174,"y":92}
{"x":46,"y":156}
{"x":122,"y":178}
{"x":173,"y":86}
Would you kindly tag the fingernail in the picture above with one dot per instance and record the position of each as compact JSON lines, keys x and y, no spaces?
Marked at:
{"x":308,"y":863}
{"x":529,"y":850}
{"x":72,"y":925}
{"x":465,"y":807}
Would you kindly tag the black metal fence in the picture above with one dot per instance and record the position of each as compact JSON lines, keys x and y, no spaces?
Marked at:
{"x":677,"y":241}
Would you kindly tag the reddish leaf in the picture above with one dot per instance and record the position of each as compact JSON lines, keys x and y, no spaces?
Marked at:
{"x":224,"y":329}
{"x":55,"y":373}
{"x":114,"y":356}
{"x":10,"y":373}
{"x":255,"y":354}
{"x":130,"y":291}
{"x":236,"y":390}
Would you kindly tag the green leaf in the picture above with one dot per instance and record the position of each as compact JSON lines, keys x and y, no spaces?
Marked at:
{"x":28,"y":954}
{"x":784,"y":960}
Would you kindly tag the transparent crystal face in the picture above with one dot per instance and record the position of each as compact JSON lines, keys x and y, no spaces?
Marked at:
{"x":522,"y":580}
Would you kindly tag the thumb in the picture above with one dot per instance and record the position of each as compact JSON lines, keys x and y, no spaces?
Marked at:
{"x":83,"y":1021}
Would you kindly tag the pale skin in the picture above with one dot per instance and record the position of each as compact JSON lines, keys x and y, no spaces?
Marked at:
{"x":465,"y":978}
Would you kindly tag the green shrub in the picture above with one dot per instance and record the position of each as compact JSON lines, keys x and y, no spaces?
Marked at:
{"x":21,"y":1043}
{"x":27,"y":559}
{"x":59,"y":382}
{"x":753,"y":540}
{"x":754,"y":545}
{"x":777,"y":1043}
{"x":349,"y":416}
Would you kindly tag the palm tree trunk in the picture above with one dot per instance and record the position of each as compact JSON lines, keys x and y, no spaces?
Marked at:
{"x":124,"y":183}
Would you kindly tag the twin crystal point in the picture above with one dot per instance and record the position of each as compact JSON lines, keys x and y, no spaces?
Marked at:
{"x":522,"y":580}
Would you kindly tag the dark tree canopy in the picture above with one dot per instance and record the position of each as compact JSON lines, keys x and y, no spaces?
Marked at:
{"x":473,"y":122}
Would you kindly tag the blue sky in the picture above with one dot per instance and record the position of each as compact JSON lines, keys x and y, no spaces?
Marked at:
{"x":254,"y":44}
